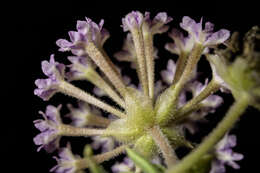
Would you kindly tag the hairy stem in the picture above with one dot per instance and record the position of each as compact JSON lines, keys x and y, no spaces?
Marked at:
{"x":99,"y":121}
{"x":109,"y":60}
{"x":73,"y":91}
{"x":180,"y":66}
{"x":164,"y":145}
{"x":149,"y":55}
{"x":97,"y":80}
{"x":99,"y":59}
{"x":68,"y":130}
{"x":235,"y":111}
{"x":212,"y":87}
{"x":139,"y":48}
{"x":82,"y":163}
{"x":174,"y":90}
{"x":191,"y":64}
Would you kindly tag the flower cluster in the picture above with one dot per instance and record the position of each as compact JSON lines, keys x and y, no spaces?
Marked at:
{"x":149,"y":118}
{"x":48,"y":87}
{"x":49,"y":127}
{"x":225,"y":155}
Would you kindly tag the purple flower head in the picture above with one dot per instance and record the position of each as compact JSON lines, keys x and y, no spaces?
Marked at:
{"x":86,"y":31}
{"x":126,"y":166}
{"x":48,"y":87}
{"x":80,"y":116}
{"x":105,"y":143}
{"x":78,"y":68}
{"x":132,"y":20}
{"x":168,"y":74}
{"x":225,"y":155}
{"x":67,"y":161}
{"x":158,"y":24}
{"x":181,"y":43}
{"x":48,"y":138}
{"x":206,"y":37}
{"x":98,"y":34}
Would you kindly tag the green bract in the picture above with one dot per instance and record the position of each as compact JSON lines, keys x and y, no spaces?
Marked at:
{"x":141,"y":116}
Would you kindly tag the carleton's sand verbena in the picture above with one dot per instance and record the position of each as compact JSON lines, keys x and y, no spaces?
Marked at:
{"x":153,"y":117}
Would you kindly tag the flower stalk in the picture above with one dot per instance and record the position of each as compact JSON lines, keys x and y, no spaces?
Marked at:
{"x":83,"y":164}
{"x":141,"y":60}
{"x":73,"y":91}
{"x":164,"y":146}
{"x":68,"y":130}
{"x":101,"y":62}
{"x":97,"y":80}
{"x":149,"y":55}
{"x":180,"y":66}
{"x":193,"y":104}
{"x":191,"y":64}
{"x":174,"y":90}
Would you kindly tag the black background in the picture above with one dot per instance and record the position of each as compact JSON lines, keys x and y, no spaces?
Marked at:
{"x":44,"y":24}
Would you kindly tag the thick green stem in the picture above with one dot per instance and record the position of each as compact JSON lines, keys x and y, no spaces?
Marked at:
{"x":235,"y":111}
{"x":164,"y":145}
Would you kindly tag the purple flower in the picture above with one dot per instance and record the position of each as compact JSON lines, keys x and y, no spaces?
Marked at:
{"x":80,"y":116}
{"x":86,"y":31}
{"x":105,"y":143}
{"x":157,"y":25}
{"x":168,"y":74}
{"x":79,"y":68}
{"x":225,"y":155}
{"x":48,"y":87}
{"x":132,"y":20}
{"x":67,"y":161}
{"x":206,"y":37}
{"x":181,"y":43}
{"x":48,"y":138}
{"x":126,"y":166}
